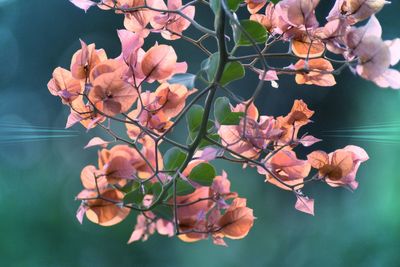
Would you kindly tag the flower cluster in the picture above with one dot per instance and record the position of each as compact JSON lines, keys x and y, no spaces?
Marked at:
{"x":361,"y":48}
{"x":173,"y":186}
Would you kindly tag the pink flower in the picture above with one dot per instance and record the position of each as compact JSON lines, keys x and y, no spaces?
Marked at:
{"x":131,"y":43}
{"x":339,"y":168}
{"x":146,"y":227}
{"x":375,"y":55}
{"x":332,"y":34}
{"x":172,"y":24}
{"x":156,"y":109}
{"x":287,"y":168}
{"x":85,"y":59}
{"x":137,"y":21}
{"x":298,"y":13}
{"x":355,"y":10}
{"x":237,"y":220}
{"x":111,"y":94}
{"x":250,"y":140}
{"x":160,"y":63}
{"x":64,"y":85}
{"x":317,"y":71}
{"x":100,"y":211}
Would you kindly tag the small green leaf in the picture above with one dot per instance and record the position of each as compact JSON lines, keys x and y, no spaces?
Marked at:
{"x":204,"y":143}
{"x":174,"y":158}
{"x":192,"y":135}
{"x":210,"y":65}
{"x":274,"y":1}
{"x":186,"y":79}
{"x":182,"y":188}
{"x":234,"y":4}
{"x":135,"y":197}
{"x":130,"y":186}
{"x":223,"y":113}
{"x":156,"y":189}
{"x":232,"y":71}
{"x":254,"y":30}
{"x":164,"y":212}
{"x":190,"y":138}
{"x":194,"y":118}
{"x":203,"y":174}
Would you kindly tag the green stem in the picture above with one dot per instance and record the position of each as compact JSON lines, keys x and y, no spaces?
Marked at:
{"x":223,"y":57}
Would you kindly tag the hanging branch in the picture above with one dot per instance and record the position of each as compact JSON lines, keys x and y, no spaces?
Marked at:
{"x":173,"y":185}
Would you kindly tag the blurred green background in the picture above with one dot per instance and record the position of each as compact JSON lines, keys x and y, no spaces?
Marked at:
{"x":38,"y":180}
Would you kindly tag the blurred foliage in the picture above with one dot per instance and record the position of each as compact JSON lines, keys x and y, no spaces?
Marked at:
{"x":38,"y":180}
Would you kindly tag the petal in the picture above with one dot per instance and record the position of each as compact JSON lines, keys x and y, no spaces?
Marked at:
{"x":130,"y":43}
{"x":318,"y":159}
{"x":309,"y":140}
{"x":390,"y":78}
{"x":394,"y":47}
{"x":83,"y":4}
{"x":305,"y":204}
{"x":304,"y":49}
{"x":159,"y":62}
{"x":237,"y":223}
{"x":97,"y":141}
{"x":165,"y":227}
{"x":359,"y":153}
{"x":344,"y":160}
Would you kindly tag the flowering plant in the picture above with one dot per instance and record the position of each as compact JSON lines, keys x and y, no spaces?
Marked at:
{"x":173,"y":185}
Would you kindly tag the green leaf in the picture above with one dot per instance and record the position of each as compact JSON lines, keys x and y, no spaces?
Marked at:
{"x":234,"y":4}
{"x":232,"y":71}
{"x":223,"y":113}
{"x":174,"y":158}
{"x":186,"y":79}
{"x":164,"y":212}
{"x":254,"y":30}
{"x":203,"y":174}
{"x":274,"y":1}
{"x":194,"y":118}
{"x":192,"y":135}
{"x":205,"y":143}
{"x":130,"y":186}
{"x":190,"y":138}
{"x":156,"y":189}
{"x":135,"y":196}
{"x":182,"y":188}
{"x":210,"y":65}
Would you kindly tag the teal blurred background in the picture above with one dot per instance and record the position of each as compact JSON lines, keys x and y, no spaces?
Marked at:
{"x":38,"y":180}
